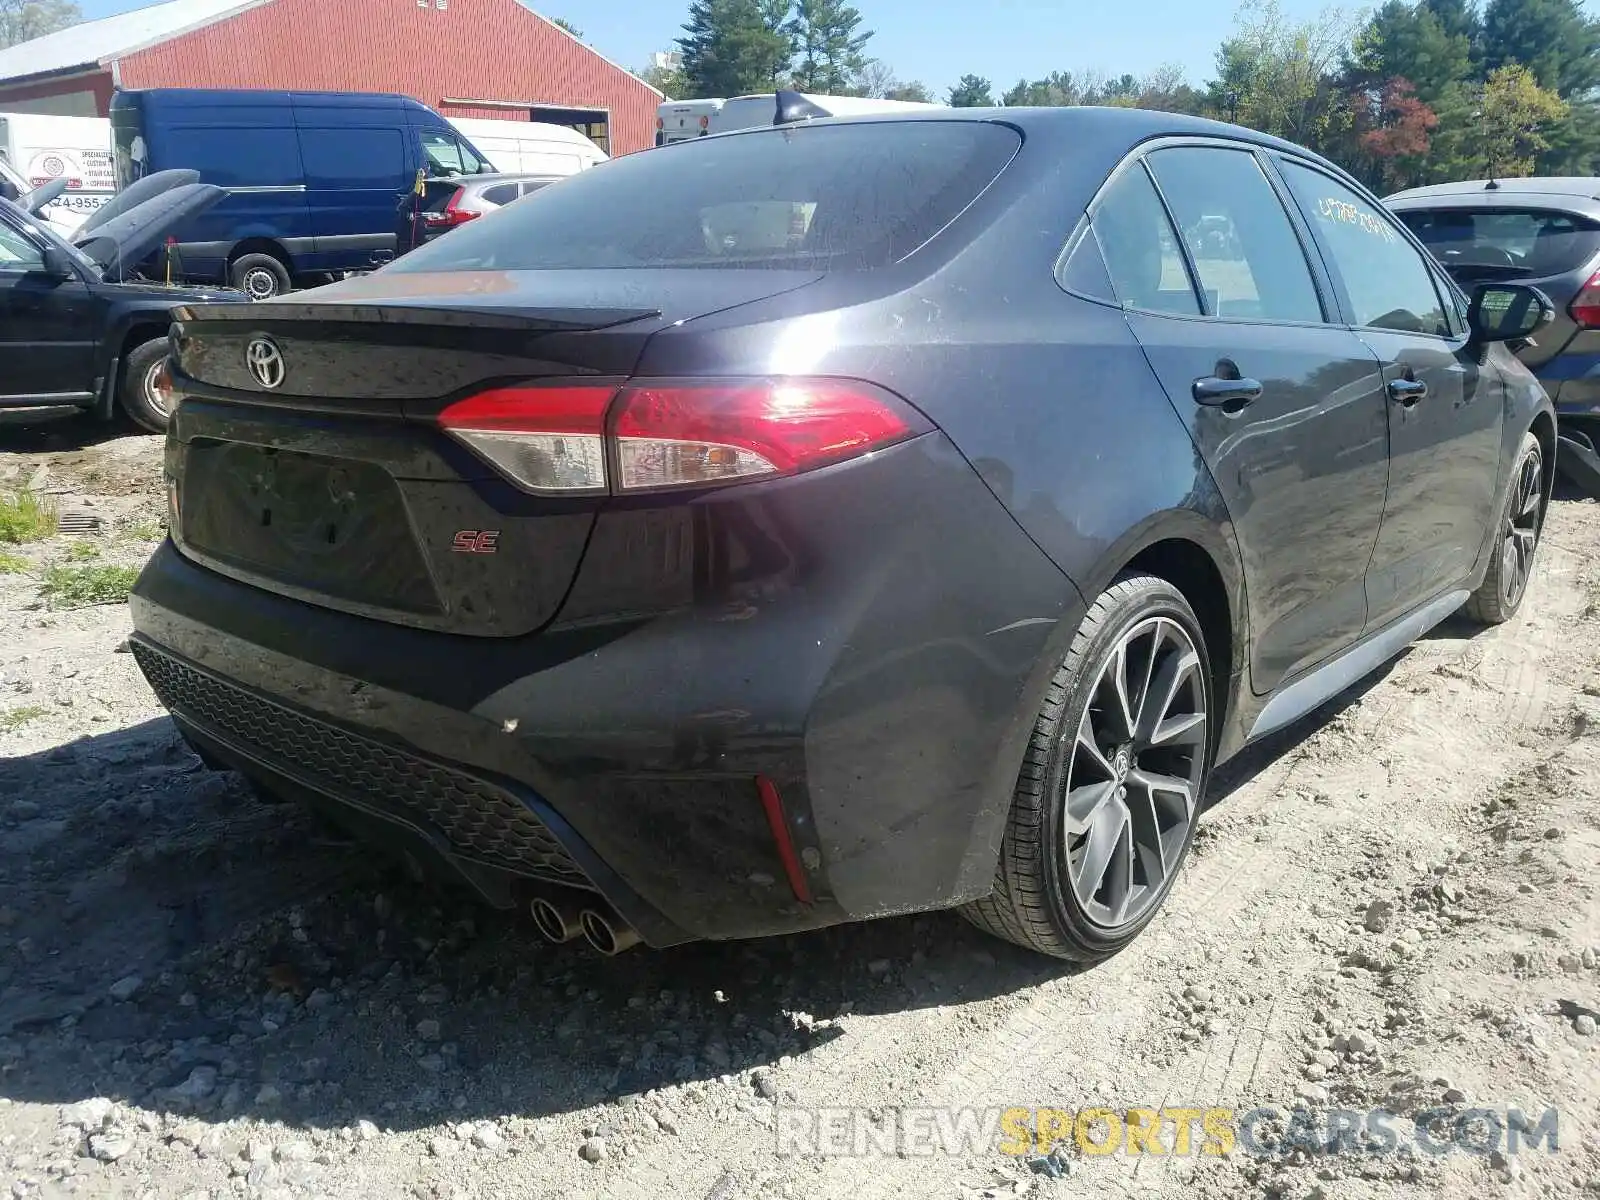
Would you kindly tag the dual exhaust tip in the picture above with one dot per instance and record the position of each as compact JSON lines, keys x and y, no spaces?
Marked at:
{"x":606,"y":932}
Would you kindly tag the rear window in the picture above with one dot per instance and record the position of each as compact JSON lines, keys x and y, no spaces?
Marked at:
{"x":843,"y":197}
{"x":1532,"y":242}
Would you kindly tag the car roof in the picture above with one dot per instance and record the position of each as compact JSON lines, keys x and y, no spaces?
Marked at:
{"x":1553,"y":185}
{"x":1578,"y":195}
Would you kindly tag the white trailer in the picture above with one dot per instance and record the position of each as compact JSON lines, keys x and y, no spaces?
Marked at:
{"x":749,"y":112}
{"x":680,"y":120}
{"x":41,"y":147}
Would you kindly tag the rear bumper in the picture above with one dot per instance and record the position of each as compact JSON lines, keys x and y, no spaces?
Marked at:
{"x":872,"y":639}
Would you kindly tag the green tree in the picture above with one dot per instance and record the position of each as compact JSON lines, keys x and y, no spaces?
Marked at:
{"x":1515,"y":116}
{"x":876,"y":78}
{"x":1574,"y":143}
{"x":1166,"y":90}
{"x":732,"y":47}
{"x":1457,"y":18}
{"x":1409,"y":41}
{"x":1554,"y":39}
{"x":1278,"y":76}
{"x":828,"y":42}
{"x":563,"y":23}
{"x":972,"y":91}
{"x":671,"y":82}
{"x":24,"y":20}
{"x":1056,"y":90}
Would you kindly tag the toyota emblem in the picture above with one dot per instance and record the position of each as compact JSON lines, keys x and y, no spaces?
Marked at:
{"x":265,"y":361}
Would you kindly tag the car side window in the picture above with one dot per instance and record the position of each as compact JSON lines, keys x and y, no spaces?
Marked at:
{"x":500,"y":193}
{"x":1386,"y":281}
{"x":445,"y":154}
{"x":18,"y":253}
{"x":1140,"y":247}
{"x":1245,"y":250}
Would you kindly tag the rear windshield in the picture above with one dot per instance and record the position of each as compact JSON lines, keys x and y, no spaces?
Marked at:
{"x":843,"y":197}
{"x":1525,"y":242}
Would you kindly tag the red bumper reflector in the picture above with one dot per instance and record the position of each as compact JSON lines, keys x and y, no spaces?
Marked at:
{"x":772,"y":802}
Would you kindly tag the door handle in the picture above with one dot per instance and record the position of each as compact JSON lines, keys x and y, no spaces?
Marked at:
{"x":1406,"y":392}
{"x":1233,"y":394}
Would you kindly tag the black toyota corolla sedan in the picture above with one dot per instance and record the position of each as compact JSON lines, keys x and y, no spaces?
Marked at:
{"x":838,"y":519}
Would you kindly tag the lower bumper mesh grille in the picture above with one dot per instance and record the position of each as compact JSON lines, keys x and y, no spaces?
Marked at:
{"x":479,"y":820}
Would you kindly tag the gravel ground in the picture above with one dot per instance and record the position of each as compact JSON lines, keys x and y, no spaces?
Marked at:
{"x":1393,"y":904}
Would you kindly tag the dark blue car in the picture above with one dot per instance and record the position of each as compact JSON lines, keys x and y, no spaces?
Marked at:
{"x":313,"y":177}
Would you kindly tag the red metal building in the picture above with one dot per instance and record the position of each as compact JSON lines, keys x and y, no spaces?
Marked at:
{"x":465,"y":58}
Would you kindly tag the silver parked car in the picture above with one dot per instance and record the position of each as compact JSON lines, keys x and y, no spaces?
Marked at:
{"x":447,"y":203}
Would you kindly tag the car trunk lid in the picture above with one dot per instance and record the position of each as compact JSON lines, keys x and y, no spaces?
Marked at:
{"x":307,"y":458}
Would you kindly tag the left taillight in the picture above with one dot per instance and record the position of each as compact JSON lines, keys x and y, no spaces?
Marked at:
{"x":1585,"y":306}
{"x":656,"y":435}
{"x":452,"y":214}
{"x":546,"y":439}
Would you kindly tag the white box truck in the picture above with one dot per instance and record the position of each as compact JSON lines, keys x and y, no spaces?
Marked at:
{"x":40,"y":147}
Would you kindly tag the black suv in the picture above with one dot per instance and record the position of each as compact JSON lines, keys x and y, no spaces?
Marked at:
{"x":78,"y":327}
{"x":1544,"y":232}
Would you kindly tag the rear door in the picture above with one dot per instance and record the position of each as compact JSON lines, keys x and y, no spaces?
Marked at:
{"x":1284,"y":406}
{"x":48,"y":329}
{"x":1445,"y":410}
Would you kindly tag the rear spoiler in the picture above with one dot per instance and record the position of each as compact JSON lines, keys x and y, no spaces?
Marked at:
{"x":474,"y":316}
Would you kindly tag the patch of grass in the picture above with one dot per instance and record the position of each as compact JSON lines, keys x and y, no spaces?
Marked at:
{"x":82,"y":551}
{"x":146,"y":531}
{"x":27,"y":517}
{"x":16,"y":718}
{"x":79,"y":587}
{"x":12,"y":564}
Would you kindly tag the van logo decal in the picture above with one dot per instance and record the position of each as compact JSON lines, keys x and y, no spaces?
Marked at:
{"x":265,"y":361}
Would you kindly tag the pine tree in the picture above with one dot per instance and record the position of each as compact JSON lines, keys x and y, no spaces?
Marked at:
{"x":973,"y":91}
{"x":1555,"y":39}
{"x":731,"y":47}
{"x":829,"y":47}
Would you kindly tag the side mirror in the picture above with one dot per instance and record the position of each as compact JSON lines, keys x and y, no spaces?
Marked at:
{"x":1506,"y":312}
{"x":56,"y":263}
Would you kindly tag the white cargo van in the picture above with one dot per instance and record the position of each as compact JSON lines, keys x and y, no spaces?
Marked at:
{"x":530,"y":147}
{"x":40,"y":147}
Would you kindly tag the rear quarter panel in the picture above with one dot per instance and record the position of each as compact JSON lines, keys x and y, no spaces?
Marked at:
{"x":1048,"y":396}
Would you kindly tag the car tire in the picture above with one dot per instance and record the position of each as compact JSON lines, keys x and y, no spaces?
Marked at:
{"x":1096,"y":778}
{"x":1505,"y":584}
{"x":259,"y":276}
{"x":135,"y":391}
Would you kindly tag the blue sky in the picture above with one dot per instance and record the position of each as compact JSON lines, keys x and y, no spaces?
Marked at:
{"x":938,"y":41}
